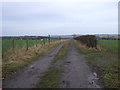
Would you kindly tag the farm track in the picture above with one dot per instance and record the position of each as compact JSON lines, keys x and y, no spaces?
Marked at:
{"x":31,"y":75}
{"x":77,"y":74}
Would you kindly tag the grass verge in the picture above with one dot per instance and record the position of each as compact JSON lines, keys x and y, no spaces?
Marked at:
{"x":105,"y":61}
{"x":51,"y":79}
{"x":13,"y":62}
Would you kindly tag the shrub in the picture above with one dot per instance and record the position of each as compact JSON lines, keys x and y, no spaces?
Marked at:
{"x":88,"y":40}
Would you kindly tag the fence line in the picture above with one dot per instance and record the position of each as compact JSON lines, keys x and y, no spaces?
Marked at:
{"x":26,"y":45}
{"x":12,"y":44}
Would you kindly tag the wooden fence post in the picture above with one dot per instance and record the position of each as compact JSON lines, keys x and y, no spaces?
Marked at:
{"x":44,"y":40}
{"x":13,"y":45}
{"x":2,"y":48}
{"x":59,"y":38}
{"x":49,"y":39}
{"x":26,"y":45}
{"x":36,"y":43}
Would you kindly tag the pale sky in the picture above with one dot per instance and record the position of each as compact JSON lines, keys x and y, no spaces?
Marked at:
{"x":59,"y":17}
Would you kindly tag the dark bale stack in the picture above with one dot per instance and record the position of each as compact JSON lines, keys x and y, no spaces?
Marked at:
{"x":88,"y":40}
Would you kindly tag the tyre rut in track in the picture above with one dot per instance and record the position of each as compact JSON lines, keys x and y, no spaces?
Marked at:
{"x":31,"y":75}
{"x":77,"y":73}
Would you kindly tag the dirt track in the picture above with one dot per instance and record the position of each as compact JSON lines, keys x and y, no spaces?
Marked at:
{"x":31,"y":75}
{"x":77,"y":73}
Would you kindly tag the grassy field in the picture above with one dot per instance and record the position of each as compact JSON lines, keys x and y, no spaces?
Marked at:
{"x":109,"y":45}
{"x":7,"y":44}
{"x":105,"y":60}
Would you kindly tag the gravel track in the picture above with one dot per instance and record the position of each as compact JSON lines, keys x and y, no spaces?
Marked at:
{"x":77,"y":72}
{"x":31,"y":75}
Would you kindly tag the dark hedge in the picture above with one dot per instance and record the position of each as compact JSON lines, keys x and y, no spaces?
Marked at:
{"x":88,"y":40}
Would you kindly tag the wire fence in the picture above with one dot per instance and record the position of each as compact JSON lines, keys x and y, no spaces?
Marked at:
{"x":12,"y":44}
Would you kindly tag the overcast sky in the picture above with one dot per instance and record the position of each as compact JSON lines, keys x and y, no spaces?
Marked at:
{"x":60,"y":17}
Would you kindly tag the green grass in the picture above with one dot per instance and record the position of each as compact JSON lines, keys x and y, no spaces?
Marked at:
{"x":63,"y":52}
{"x":110,"y":45}
{"x":105,"y":60}
{"x":51,"y":79}
{"x":7,"y":44}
